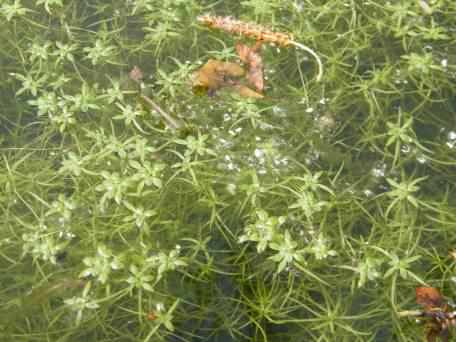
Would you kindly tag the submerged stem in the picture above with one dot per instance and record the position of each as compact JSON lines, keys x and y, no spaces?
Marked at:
{"x":314,"y":55}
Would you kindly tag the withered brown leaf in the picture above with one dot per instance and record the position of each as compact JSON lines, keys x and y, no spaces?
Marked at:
{"x":429,"y":297}
{"x":433,"y":302}
{"x":253,"y":60}
{"x":215,"y":74}
{"x":244,"y":91}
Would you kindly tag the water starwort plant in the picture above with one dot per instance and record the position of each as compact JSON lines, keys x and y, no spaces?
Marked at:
{"x":134,"y":209}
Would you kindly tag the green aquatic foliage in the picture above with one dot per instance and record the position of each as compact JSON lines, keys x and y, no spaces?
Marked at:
{"x":134,"y":210}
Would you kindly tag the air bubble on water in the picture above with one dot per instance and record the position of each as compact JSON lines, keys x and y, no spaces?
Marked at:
{"x":421,"y":158}
{"x":368,"y":193}
{"x":451,"y":139}
{"x":259,"y":153}
{"x":230,"y":166}
{"x":231,"y":188}
{"x":379,"y":171}
{"x":323,"y":100}
{"x":298,"y":5}
{"x":279,"y":111}
{"x":280,"y":161}
{"x":405,"y":148}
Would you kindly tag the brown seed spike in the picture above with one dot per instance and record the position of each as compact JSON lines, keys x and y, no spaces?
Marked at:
{"x":250,"y":30}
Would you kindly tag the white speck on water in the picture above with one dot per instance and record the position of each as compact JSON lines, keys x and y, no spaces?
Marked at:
{"x":230,"y":166}
{"x":279,"y":111}
{"x":259,"y":153}
{"x":421,"y":159}
{"x":451,"y":139}
{"x":231,"y":188}
{"x":379,"y":171}
{"x":299,"y":6}
{"x":368,"y":193}
{"x":405,"y":148}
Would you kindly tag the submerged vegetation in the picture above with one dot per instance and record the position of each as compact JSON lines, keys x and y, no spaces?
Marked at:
{"x":309,"y":214}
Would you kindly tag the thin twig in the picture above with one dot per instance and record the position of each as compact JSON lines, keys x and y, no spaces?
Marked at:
{"x":137,"y":76}
{"x":169,"y":120}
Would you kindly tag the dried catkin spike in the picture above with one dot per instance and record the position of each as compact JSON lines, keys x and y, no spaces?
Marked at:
{"x":257,"y":32}
{"x":249,"y":30}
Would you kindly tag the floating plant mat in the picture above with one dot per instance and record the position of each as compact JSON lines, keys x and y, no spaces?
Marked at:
{"x":271,"y":171}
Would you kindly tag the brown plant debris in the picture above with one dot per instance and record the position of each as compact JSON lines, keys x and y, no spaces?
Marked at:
{"x":250,"y":30}
{"x":215,"y":75}
{"x":257,"y":32}
{"x":253,"y":60}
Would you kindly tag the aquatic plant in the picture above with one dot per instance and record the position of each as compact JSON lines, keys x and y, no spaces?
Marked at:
{"x":134,"y":210}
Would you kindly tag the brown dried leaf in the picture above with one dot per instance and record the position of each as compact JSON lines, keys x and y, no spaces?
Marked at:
{"x":243,"y":52}
{"x":244,"y":91}
{"x":434,"y":330}
{"x":429,"y":297}
{"x":215,"y":74}
{"x":431,"y":334}
{"x":255,"y":77}
{"x":249,"y":56}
